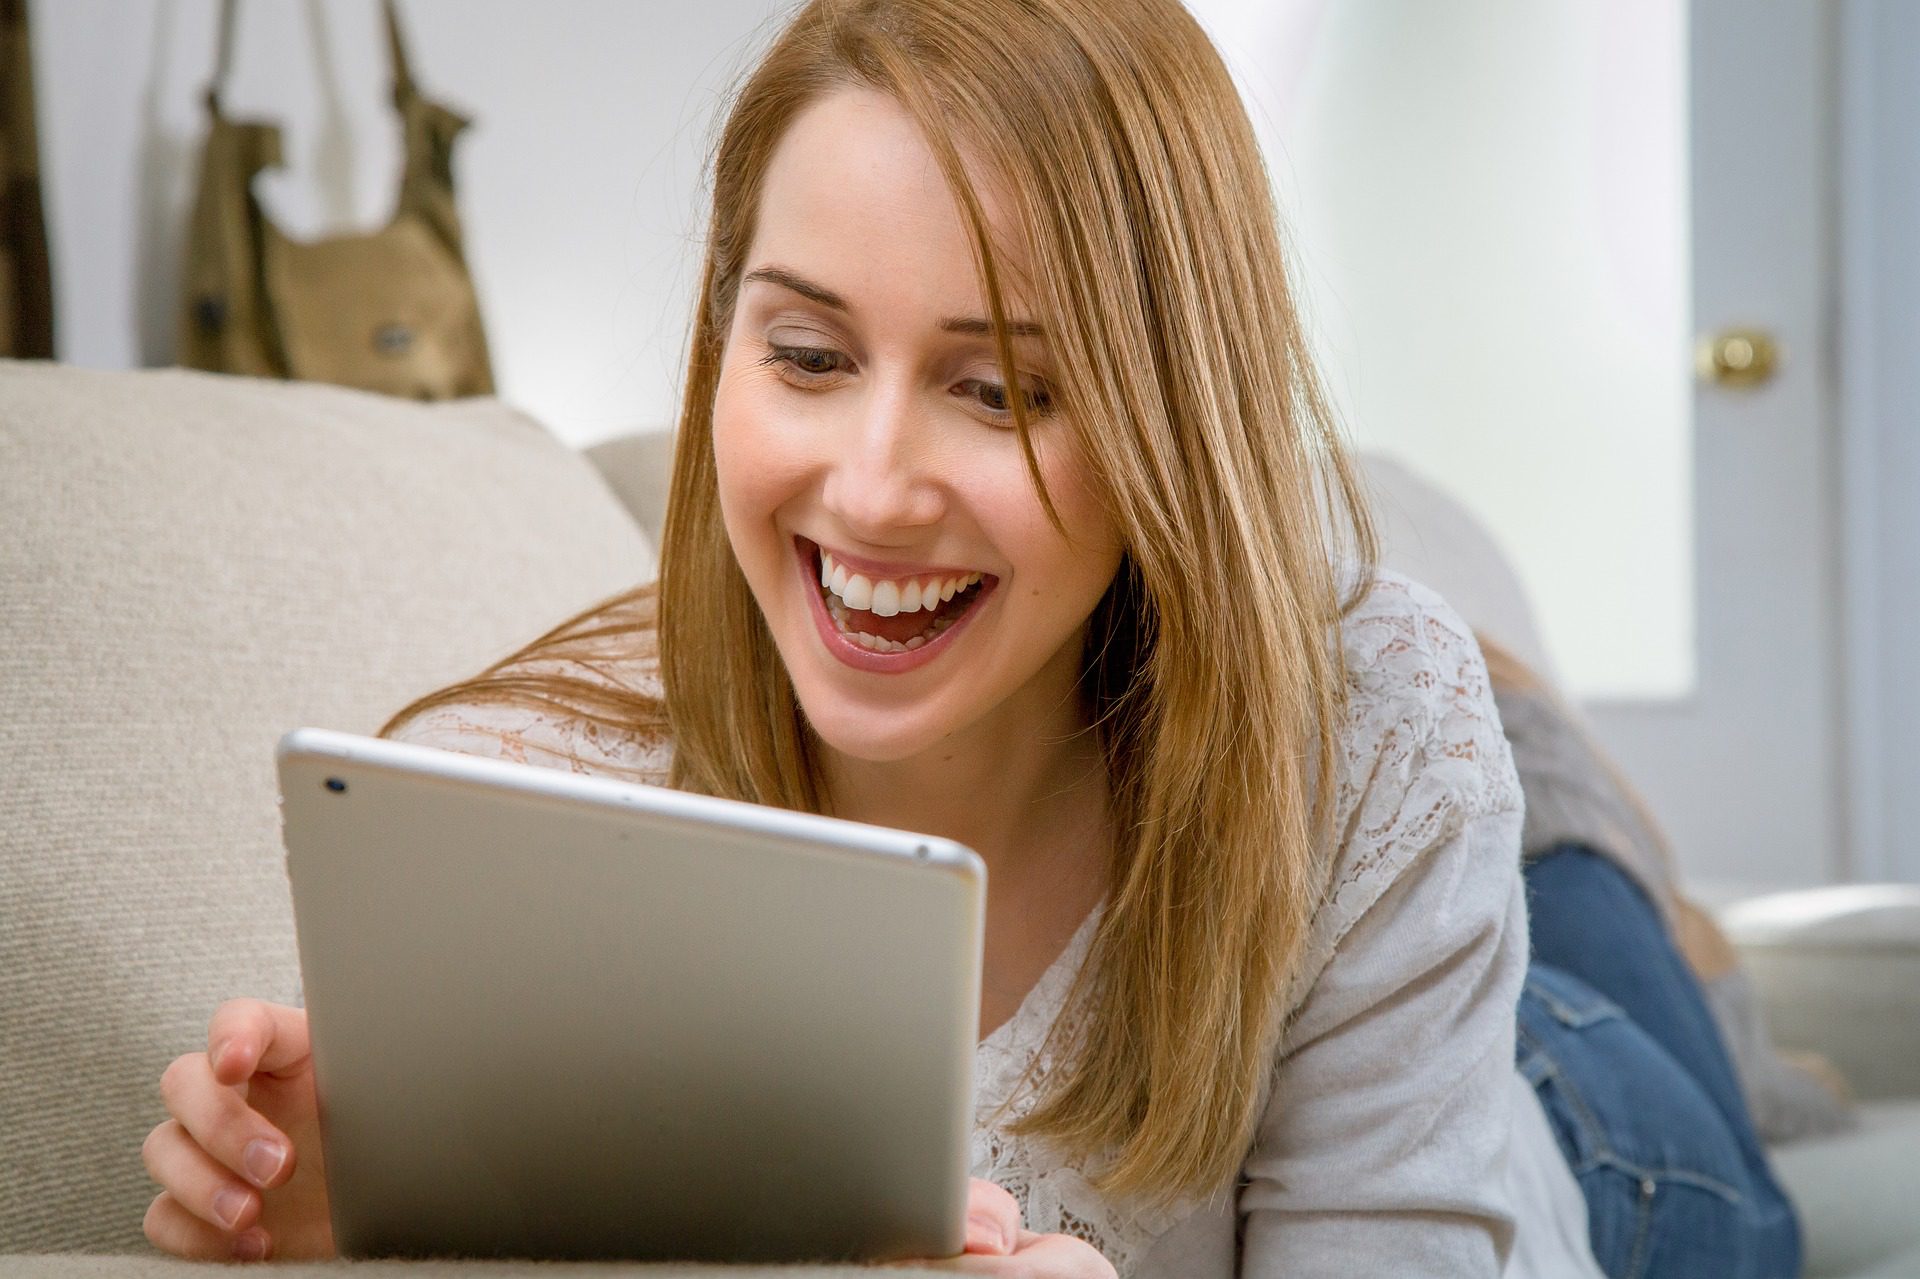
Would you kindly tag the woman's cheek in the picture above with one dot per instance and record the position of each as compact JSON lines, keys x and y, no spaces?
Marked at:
{"x":740,"y":424}
{"x":734,"y":427}
{"x":1074,"y":488}
{"x":758,"y":472}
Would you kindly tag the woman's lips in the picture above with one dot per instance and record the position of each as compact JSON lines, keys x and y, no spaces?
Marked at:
{"x":851,"y":652}
{"x":899,"y":572}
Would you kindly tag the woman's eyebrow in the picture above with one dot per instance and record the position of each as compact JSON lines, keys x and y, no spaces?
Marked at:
{"x":804,"y":287}
{"x":977,"y":325}
{"x":970,"y":324}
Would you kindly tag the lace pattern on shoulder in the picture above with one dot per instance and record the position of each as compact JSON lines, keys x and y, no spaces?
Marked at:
{"x":1423,"y":752}
{"x":546,"y":736}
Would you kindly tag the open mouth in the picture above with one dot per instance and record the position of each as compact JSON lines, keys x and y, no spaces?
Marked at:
{"x":900,"y":631}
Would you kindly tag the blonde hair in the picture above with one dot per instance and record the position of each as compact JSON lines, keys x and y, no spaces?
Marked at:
{"x":1216,"y":686}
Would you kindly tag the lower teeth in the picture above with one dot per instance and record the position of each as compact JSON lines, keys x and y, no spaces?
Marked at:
{"x":880,"y":644}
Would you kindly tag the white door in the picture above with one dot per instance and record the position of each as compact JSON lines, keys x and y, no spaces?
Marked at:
{"x":1747,"y":773}
{"x":1878,"y":358}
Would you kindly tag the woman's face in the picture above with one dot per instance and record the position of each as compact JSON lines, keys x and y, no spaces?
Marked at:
{"x":860,"y":411}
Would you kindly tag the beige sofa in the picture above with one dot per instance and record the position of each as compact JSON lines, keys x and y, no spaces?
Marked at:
{"x":192,"y":564}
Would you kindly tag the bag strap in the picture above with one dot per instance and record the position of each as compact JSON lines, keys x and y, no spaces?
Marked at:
{"x":403,"y":86}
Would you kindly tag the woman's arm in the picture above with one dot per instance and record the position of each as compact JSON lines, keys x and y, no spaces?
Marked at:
{"x":1384,"y":1143}
{"x":1383,"y":1148}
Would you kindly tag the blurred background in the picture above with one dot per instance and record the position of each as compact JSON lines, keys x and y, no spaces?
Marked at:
{"x":1634,"y":279}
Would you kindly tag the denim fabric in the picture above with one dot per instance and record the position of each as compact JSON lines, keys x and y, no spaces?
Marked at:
{"x":1615,"y":1037}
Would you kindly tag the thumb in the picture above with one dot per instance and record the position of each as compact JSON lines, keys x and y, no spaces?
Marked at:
{"x":993,"y":1218}
{"x":251,"y":1036}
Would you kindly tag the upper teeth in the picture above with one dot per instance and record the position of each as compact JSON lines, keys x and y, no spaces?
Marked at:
{"x":889,"y":595}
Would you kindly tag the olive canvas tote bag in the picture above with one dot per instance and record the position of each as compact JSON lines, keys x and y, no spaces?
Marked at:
{"x":392,"y":310}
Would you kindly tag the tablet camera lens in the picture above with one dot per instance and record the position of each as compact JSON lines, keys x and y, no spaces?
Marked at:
{"x":335,"y":785}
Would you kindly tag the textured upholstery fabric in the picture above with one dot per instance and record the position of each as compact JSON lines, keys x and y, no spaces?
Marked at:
{"x":191,"y":565}
{"x":637,"y":468}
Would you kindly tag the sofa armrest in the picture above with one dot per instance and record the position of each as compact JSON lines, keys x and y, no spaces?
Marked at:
{"x":637,"y":468}
{"x":1837,"y":970}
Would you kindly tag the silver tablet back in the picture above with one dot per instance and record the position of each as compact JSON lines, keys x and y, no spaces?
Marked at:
{"x":560,"y":1016}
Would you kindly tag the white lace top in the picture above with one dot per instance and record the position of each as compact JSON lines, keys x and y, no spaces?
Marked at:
{"x":1398,"y":1138}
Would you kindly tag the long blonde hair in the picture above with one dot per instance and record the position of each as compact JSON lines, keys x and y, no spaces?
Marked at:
{"x":1211,"y":669}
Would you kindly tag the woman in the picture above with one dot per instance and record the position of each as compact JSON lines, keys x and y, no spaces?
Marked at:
{"x":993,"y":319}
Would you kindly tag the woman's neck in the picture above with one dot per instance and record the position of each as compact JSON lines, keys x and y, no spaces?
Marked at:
{"x":1027,"y":788}
{"x":1007,"y":787}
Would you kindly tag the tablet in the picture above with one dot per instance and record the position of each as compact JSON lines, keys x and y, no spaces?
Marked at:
{"x":557,"y":1016}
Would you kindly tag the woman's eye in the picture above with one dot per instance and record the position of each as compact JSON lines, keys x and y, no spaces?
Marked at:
{"x":814,"y":363}
{"x":992,"y":397}
{"x":811,"y":361}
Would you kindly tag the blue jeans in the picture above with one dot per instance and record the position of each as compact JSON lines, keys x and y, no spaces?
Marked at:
{"x":1616,"y":1038}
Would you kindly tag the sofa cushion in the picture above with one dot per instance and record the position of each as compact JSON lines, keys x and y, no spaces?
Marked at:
{"x":1838,"y":970}
{"x":638,"y":468}
{"x":1430,"y":536}
{"x":1856,"y":1191}
{"x":193,"y":564}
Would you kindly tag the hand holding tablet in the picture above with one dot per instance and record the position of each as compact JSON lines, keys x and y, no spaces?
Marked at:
{"x":240,"y":1158}
{"x":560,"y":1016}
{"x":263,"y":1195}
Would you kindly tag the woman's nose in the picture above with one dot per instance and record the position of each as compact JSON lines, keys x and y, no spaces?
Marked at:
{"x":880,"y":482}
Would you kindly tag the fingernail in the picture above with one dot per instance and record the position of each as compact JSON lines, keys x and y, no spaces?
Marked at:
{"x":263,"y":1159}
{"x":228,"y":1204}
{"x":213,"y":1058}
{"x":251,"y":1246}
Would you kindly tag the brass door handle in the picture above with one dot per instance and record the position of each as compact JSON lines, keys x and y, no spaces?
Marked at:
{"x":1737,"y":357}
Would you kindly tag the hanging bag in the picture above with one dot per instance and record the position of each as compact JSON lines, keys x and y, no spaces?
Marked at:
{"x":393,"y":310}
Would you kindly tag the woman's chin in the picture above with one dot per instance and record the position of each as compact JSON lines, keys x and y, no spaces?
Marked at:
{"x":858,"y":734}
{"x":871,"y":730}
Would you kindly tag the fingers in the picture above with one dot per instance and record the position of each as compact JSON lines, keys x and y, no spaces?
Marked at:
{"x":215,"y":1143}
{"x":223,"y":1125}
{"x":1038,"y":1257}
{"x":251,"y":1036}
{"x":993,"y":1217}
{"x":196,"y":1181}
{"x":1065,"y":1256}
{"x":171,"y":1228}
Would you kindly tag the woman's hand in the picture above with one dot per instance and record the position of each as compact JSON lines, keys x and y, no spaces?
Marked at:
{"x":998,"y":1243}
{"x":254,"y":1084}
{"x":240,"y":1159}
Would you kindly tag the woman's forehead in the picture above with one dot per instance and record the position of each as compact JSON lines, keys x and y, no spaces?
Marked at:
{"x":854,"y":199}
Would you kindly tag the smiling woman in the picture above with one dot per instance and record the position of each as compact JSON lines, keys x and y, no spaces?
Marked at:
{"x":1005,"y":507}
{"x":898,"y":458}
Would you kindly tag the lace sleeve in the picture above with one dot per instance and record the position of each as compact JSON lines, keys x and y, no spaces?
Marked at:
{"x":1412,"y":965}
{"x":1384,"y":1143}
{"x":547,"y":737}
{"x":1422,"y":754}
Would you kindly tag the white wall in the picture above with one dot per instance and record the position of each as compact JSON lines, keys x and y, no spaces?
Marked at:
{"x":1488,"y":201}
{"x":580,"y":181}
